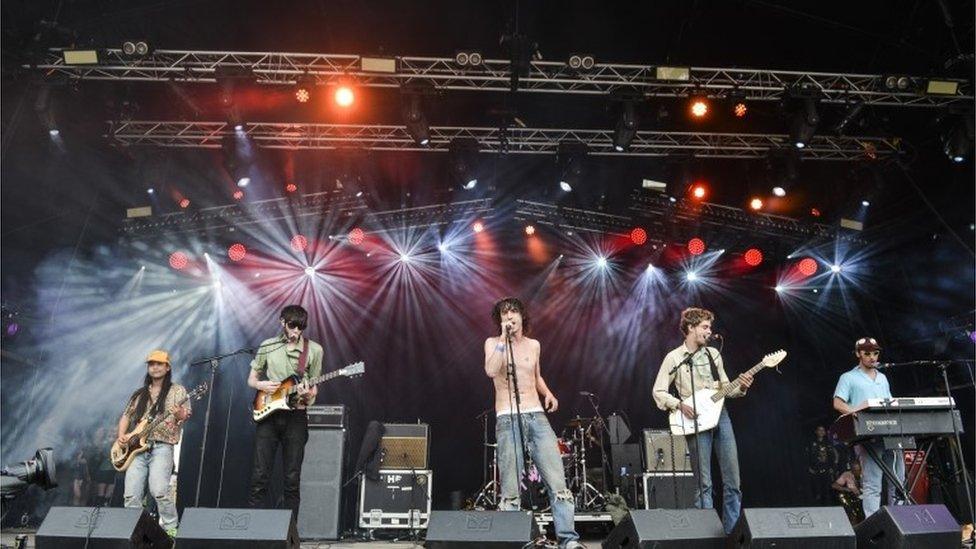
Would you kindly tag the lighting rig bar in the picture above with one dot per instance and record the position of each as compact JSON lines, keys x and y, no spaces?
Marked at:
{"x":445,"y":73}
{"x":461,"y":211}
{"x":515,"y":140}
{"x":572,"y":219}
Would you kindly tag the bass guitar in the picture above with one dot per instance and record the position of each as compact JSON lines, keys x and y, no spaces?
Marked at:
{"x":283,"y":398}
{"x":709,"y":402}
{"x":122,"y":455}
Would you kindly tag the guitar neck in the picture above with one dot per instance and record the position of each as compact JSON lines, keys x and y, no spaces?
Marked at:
{"x":734,"y":384}
{"x":317,"y":380}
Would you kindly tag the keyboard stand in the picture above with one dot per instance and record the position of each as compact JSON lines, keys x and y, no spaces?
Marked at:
{"x":888,"y":473}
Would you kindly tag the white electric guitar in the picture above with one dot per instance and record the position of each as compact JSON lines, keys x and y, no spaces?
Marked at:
{"x":709,"y":402}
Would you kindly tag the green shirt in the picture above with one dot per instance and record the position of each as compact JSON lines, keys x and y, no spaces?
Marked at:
{"x":277,"y":360}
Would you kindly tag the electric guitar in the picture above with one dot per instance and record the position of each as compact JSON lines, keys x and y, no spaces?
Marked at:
{"x":708,"y":402}
{"x":122,"y":455}
{"x":266,"y":404}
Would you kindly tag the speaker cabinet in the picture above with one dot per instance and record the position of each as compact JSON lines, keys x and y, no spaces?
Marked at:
{"x":321,"y":486}
{"x":794,"y":527}
{"x":677,"y":528}
{"x":203,"y":528}
{"x":914,"y":526}
{"x":481,"y":529}
{"x":100,"y":528}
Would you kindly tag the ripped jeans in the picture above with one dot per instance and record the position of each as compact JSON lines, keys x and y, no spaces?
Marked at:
{"x":545,"y":453}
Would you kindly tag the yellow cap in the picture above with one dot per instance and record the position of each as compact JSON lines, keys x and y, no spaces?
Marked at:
{"x":158,"y":356}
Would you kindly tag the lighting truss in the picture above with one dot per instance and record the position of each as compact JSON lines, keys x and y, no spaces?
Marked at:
{"x":428,"y":216}
{"x":572,"y":219}
{"x":494,"y":140}
{"x":280,"y":68}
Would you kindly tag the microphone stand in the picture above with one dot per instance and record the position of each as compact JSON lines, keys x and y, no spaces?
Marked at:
{"x":943,"y":366}
{"x":604,"y":465}
{"x":694,"y":409}
{"x":524,"y":450}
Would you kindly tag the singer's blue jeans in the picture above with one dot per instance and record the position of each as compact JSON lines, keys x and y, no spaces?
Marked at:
{"x":723,"y":440}
{"x":871,"y":475}
{"x":543,"y":449}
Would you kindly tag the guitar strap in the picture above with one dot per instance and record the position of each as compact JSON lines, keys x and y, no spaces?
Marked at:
{"x":302,"y":359}
{"x":711,"y":362}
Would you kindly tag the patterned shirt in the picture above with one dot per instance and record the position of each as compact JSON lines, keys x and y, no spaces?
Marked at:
{"x":682,"y":378}
{"x":168,"y":431}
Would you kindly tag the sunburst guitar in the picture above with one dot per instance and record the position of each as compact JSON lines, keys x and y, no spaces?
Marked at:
{"x":122,"y":455}
{"x":709,"y":402}
{"x":266,"y":404}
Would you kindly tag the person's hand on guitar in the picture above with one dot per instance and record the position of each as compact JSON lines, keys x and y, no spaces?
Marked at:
{"x":745,"y":380}
{"x":182,"y":413}
{"x":687,"y":411}
{"x":306,"y":395}
{"x":123,"y":439}
{"x":268,"y":386}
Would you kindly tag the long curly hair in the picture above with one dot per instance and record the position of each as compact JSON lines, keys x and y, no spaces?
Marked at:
{"x":507,"y":304}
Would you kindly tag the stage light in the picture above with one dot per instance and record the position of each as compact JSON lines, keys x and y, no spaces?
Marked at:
{"x":581,"y":61}
{"x":243,"y":182}
{"x":442,"y":247}
{"x":650,"y":268}
{"x":405,"y":258}
{"x":699,"y":191}
{"x":478,"y":226}
{"x":740,"y":109}
{"x":756,"y":203}
{"x":565,"y":187}
{"x":691,"y":276}
{"x":570,"y":160}
{"x":357,"y":236}
{"x":638,"y":236}
{"x":696,"y":246}
{"x":779,"y":191}
{"x":344,"y":96}
{"x":472,"y":183}
{"x":54,"y":132}
{"x":778,"y":288}
{"x":414,"y":119}
{"x":601,"y":262}
{"x":753,"y":257}
{"x":958,"y":142}
{"x":291,"y":187}
{"x":302,"y":95}
{"x":815,"y":212}
{"x":626,"y":129}
{"x":865,"y":203}
{"x":150,"y":190}
{"x":238,"y":195}
{"x":39,"y":470}
{"x":807,"y":266}
{"x":239,"y":128}
{"x":299,"y":243}
{"x":835,"y":268}
{"x":185,"y":203}
{"x":236,"y":252}
{"x":805,"y":123}
{"x":135,"y":48}
{"x":530,"y":230}
{"x":462,"y":160}
{"x":309,"y":271}
{"x":699,"y":107}
{"x":178,"y":260}
{"x":672,"y":199}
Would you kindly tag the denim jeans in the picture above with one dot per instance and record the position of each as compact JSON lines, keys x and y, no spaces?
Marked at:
{"x":723,"y":440}
{"x":288,"y":429}
{"x":545,"y":453}
{"x":156,"y":466}
{"x":871,"y":475}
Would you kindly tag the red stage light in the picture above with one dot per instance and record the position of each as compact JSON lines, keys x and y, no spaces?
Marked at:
{"x":478,"y":226}
{"x":529,"y":230}
{"x":699,"y":107}
{"x":302,"y":95}
{"x":740,"y":110}
{"x":356,"y":236}
{"x":236,"y":252}
{"x":344,"y":96}
{"x":756,"y":203}
{"x":291,"y":187}
{"x":638,"y":236}
{"x":814,"y":212}
{"x":185,"y":203}
{"x":178,"y":260}
{"x":238,"y":195}
{"x":299,"y":243}
{"x":753,"y":257}
{"x":696,"y":246}
{"x":807,"y":266}
{"x":699,"y":191}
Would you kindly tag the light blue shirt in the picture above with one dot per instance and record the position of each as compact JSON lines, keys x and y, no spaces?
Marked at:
{"x":854,"y":387}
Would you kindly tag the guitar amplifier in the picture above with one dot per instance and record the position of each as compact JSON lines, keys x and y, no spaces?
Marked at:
{"x":398,"y":500}
{"x":405,"y":446}
{"x":658,"y":452}
{"x":327,"y":417}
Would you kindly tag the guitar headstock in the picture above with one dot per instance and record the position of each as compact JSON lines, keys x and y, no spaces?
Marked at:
{"x":352,"y":370}
{"x":198,"y":391}
{"x":772,"y":359}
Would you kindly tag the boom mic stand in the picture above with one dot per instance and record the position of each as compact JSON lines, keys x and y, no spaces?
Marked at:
{"x":513,"y":387}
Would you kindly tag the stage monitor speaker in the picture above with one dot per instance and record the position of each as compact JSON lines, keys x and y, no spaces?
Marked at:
{"x":100,"y":528}
{"x":915,"y":526}
{"x":204,"y":528}
{"x":321,"y":486}
{"x":481,"y":529}
{"x":626,"y":462}
{"x":698,"y":528}
{"x":667,"y":491}
{"x":794,"y":527}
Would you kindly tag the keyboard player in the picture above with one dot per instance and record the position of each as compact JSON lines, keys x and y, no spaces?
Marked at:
{"x":854,"y":388}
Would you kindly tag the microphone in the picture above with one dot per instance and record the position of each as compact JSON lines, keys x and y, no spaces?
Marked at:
{"x":716,"y":336}
{"x":586,"y":393}
{"x":508,"y":329}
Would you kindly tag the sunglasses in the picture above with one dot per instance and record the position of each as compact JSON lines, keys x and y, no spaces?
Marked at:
{"x":872,"y":353}
{"x":295,"y":325}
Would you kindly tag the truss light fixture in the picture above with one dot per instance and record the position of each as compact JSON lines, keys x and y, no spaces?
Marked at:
{"x":136,"y":48}
{"x":958,"y":142}
{"x":579,"y":61}
{"x":469,"y":58}
{"x":626,"y":128}
{"x":679,"y":74}
{"x":80,"y":57}
{"x":416,"y":122}
{"x":699,"y":107}
{"x":805,"y":122}
{"x":378,"y":64}
{"x":942,"y":87}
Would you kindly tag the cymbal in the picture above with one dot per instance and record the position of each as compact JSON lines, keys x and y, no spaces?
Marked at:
{"x":581,"y":422}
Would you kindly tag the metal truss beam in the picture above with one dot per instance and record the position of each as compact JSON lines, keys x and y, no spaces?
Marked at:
{"x":443,"y":73}
{"x":493,"y":140}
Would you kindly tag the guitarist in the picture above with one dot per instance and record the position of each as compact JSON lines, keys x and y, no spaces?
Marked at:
{"x":709,"y":373}
{"x":277,"y":359}
{"x":155,"y":398}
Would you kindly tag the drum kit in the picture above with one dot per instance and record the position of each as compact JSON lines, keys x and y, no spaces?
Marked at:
{"x":581,"y":448}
